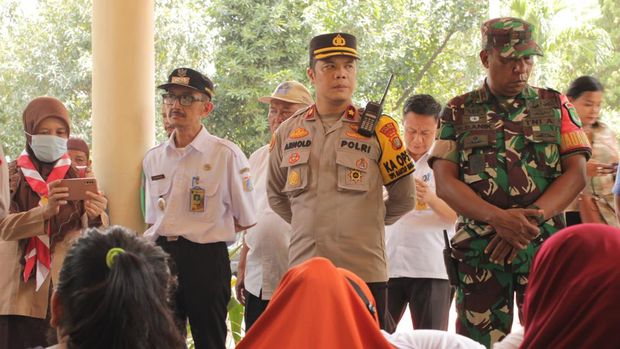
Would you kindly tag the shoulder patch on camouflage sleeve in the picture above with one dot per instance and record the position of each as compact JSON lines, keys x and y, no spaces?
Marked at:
{"x":394,"y":163}
{"x":572,"y":112}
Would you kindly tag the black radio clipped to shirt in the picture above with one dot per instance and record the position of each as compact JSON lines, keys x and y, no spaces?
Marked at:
{"x":372,"y":113}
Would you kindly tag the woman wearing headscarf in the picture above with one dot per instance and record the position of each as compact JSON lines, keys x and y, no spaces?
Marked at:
{"x":33,"y":244}
{"x":572,"y":299}
{"x":318,"y":305}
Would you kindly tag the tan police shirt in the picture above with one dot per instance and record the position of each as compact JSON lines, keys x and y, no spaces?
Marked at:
{"x":327,"y":182}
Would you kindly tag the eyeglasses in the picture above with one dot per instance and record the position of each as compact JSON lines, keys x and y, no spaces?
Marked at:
{"x":184,"y":100}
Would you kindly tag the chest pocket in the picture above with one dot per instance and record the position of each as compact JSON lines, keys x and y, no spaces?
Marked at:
{"x":160,"y":188}
{"x":541,"y":129}
{"x":296,"y":163}
{"x":352,"y":171}
{"x":476,"y":142}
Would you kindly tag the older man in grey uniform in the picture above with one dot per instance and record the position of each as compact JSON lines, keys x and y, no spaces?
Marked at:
{"x":326,"y":178}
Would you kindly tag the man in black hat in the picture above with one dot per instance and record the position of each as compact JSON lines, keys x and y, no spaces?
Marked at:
{"x":199,"y":195}
{"x":327,"y":179}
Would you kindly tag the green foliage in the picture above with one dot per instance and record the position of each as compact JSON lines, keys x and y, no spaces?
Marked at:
{"x":610,"y":73}
{"x":570,"y":51}
{"x":183,"y":38}
{"x":248,"y":47}
{"x":591,"y":48}
{"x":258,"y":45}
{"x":47,"y":52}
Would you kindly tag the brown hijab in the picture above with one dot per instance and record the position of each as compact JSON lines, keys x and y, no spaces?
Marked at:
{"x":23,"y":198}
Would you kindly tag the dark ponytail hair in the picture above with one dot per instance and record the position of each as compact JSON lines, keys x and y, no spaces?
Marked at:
{"x":584,"y":84}
{"x":124,"y":305}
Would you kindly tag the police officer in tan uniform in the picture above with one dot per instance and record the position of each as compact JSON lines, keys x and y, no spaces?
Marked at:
{"x":326,"y":179}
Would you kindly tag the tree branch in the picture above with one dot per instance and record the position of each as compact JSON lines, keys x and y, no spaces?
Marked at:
{"x":418,"y":77}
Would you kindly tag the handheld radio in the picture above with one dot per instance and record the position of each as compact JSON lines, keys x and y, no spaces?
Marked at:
{"x":372,"y":113}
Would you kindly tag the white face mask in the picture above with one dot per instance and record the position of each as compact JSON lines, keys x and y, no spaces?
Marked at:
{"x":48,"y":148}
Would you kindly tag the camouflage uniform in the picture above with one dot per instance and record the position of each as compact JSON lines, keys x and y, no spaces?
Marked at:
{"x":508,"y":153}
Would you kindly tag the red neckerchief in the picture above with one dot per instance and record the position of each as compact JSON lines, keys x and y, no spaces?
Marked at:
{"x":38,"y":247}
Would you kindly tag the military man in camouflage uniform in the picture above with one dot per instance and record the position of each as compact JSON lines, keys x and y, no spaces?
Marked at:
{"x":326,"y":179}
{"x":509,"y":158}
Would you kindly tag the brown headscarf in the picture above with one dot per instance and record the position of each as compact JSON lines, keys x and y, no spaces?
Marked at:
{"x":40,"y":109}
{"x":23,"y":198}
{"x":79,"y":144}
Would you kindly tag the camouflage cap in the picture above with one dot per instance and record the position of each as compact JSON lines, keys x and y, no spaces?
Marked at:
{"x":513,"y":37}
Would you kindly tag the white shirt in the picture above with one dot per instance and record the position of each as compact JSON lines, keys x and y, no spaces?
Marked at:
{"x":512,"y":341}
{"x":430,"y":339}
{"x":5,"y":199}
{"x":223,"y":172}
{"x":268,"y":240}
{"x":414,"y":244}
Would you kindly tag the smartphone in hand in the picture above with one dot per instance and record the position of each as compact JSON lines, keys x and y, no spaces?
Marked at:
{"x":78,"y":187}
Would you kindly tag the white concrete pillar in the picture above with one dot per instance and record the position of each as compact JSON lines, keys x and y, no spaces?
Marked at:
{"x":123,"y":91}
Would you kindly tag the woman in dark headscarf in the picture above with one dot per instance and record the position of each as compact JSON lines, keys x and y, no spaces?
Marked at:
{"x":572,"y":298}
{"x":33,"y":244}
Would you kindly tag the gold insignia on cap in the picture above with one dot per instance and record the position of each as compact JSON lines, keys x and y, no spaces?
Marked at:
{"x":339,"y":41}
{"x":182,"y":72}
{"x":181,"y":80}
